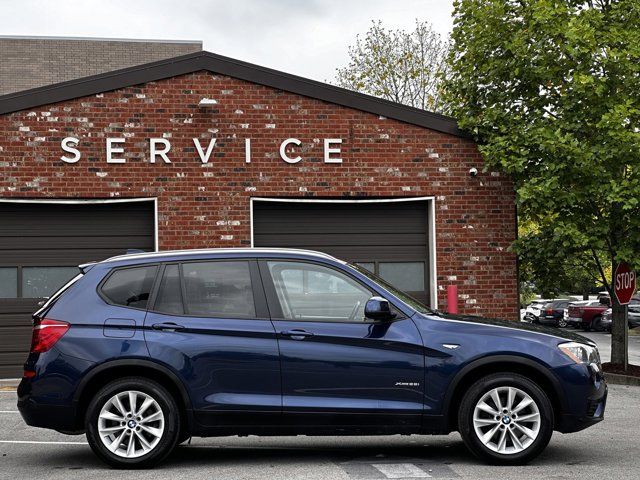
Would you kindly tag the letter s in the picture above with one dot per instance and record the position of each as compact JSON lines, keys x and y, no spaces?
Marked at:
{"x":66,"y":145}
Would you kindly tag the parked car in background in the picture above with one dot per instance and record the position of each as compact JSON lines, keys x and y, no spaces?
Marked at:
{"x":586,"y":314}
{"x":553,"y":313}
{"x":633,"y":318}
{"x":532,"y":312}
{"x":603,"y":297}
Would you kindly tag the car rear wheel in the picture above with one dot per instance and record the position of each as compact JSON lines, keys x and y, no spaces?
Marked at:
{"x":505,"y":419}
{"x":596,"y":324}
{"x":562,"y":323}
{"x":132,"y":423}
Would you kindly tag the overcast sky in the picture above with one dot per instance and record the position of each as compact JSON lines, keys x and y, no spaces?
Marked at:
{"x":305,"y":37}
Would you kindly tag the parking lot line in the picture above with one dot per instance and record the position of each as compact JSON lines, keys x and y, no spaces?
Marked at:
{"x":400,"y":470}
{"x":33,"y":442}
{"x":9,"y":411}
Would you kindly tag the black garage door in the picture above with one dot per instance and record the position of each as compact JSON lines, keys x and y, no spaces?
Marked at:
{"x":388,"y":238}
{"x":41,"y":246}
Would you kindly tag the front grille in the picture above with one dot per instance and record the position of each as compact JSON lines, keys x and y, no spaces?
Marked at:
{"x":591,"y":408}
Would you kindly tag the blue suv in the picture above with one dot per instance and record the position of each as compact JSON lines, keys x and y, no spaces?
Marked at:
{"x":143,"y":351}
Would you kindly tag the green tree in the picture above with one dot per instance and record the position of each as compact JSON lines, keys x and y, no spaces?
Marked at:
{"x":404,"y":67}
{"x":550,"y":90}
{"x":554,"y":271}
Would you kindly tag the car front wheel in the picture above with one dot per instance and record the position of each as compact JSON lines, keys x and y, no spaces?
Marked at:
{"x":132,"y":423}
{"x":506,"y":419}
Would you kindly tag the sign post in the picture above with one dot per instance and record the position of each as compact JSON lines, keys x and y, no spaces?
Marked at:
{"x":624,"y":286}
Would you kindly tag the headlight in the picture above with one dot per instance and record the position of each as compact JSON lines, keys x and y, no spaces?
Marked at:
{"x":580,"y":352}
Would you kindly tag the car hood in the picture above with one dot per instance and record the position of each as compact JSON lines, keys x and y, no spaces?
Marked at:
{"x":555,"y":332}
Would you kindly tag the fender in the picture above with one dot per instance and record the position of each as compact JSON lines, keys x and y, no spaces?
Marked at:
{"x":136,"y":362}
{"x":518,"y":359}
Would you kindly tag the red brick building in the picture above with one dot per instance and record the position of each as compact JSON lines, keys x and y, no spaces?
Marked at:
{"x":206,"y":151}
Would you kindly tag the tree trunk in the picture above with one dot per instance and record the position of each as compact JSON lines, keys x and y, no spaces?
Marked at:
{"x":619,"y":329}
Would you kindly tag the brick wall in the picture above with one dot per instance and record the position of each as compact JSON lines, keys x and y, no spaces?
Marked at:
{"x":33,"y":62}
{"x":207,"y":205}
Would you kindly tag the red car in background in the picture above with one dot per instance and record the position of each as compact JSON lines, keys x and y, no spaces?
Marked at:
{"x":587,"y":314}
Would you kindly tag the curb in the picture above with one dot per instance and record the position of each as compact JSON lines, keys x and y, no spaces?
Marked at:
{"x":616,"y":379}
{"x":9,"y":383}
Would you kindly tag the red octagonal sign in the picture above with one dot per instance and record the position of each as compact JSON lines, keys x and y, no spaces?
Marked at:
{"x":624,"y":283}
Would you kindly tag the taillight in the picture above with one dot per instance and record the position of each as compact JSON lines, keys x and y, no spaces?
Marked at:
{"x":549,"y":311}
{"x":46,"y":333}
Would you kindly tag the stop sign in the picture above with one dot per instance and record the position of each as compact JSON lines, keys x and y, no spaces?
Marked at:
{"x":624,"y":283}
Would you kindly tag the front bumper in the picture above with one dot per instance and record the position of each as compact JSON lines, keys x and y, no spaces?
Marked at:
{"x":593,"y":412}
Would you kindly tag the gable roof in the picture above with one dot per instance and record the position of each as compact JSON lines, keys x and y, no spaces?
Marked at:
{"x":211,"y":62}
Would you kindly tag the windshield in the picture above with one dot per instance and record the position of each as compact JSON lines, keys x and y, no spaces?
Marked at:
{"x":408,"y":299}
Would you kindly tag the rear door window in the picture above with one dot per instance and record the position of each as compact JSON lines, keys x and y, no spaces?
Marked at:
{"x":130,"y":287}
{"x":218,"y":289}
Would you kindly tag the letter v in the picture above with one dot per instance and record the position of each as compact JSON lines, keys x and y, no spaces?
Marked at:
{"x":204,"y":157}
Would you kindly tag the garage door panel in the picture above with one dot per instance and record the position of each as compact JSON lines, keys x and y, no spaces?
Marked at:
{"x":74,"y":242}
{"x":368,"y":254}
{"x":53,"y":257}
{"x":95,"y":220}
{"x":372,"y":233}
{"x":18,"y":319}
{"x":59,"y":235}
{"x":15,"y":339}
{"x":306,"y":240}
{"x":349,"y":219}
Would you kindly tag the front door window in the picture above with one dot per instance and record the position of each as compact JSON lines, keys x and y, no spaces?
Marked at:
{"x":311,"y":292}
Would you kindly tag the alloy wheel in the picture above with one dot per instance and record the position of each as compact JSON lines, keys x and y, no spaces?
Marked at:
{"x":506,"y":420}
{"x":131,"y":424}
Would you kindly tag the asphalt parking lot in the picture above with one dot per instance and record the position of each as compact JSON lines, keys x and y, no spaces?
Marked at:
{"x":603,"y":340}
{"x":607,"y":450}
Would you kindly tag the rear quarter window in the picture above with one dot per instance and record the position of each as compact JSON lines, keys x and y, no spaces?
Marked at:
{"x":130,"y":287}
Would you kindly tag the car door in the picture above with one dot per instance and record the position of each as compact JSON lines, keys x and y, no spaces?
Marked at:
{"x":209,"y":323}
{"x":340,"y":369}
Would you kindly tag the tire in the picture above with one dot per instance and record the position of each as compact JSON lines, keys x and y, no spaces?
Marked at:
{"x":562,"y":323}
{"x":596,"y":323}
{"x":160,"y":432}
{"x":473,"y":421}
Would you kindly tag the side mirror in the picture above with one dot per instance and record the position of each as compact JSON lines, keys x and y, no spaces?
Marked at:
{"x":378,"y":309}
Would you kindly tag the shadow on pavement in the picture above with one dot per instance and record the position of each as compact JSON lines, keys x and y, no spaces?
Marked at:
{"x":201,"y":455}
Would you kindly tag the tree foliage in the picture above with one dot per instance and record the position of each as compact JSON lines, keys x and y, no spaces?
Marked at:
{"x":405,"y":67}
{"x":555,"y":272}
{"x":550,"y":90}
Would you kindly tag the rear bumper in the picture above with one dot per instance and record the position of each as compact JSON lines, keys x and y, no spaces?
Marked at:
{"x":46,"y":400}
{"x":55,"y":417}
{"x":544,"y":320}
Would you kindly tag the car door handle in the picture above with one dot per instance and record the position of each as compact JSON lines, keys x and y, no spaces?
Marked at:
{"x":167,"y":327}
{"x":296,"y":334}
